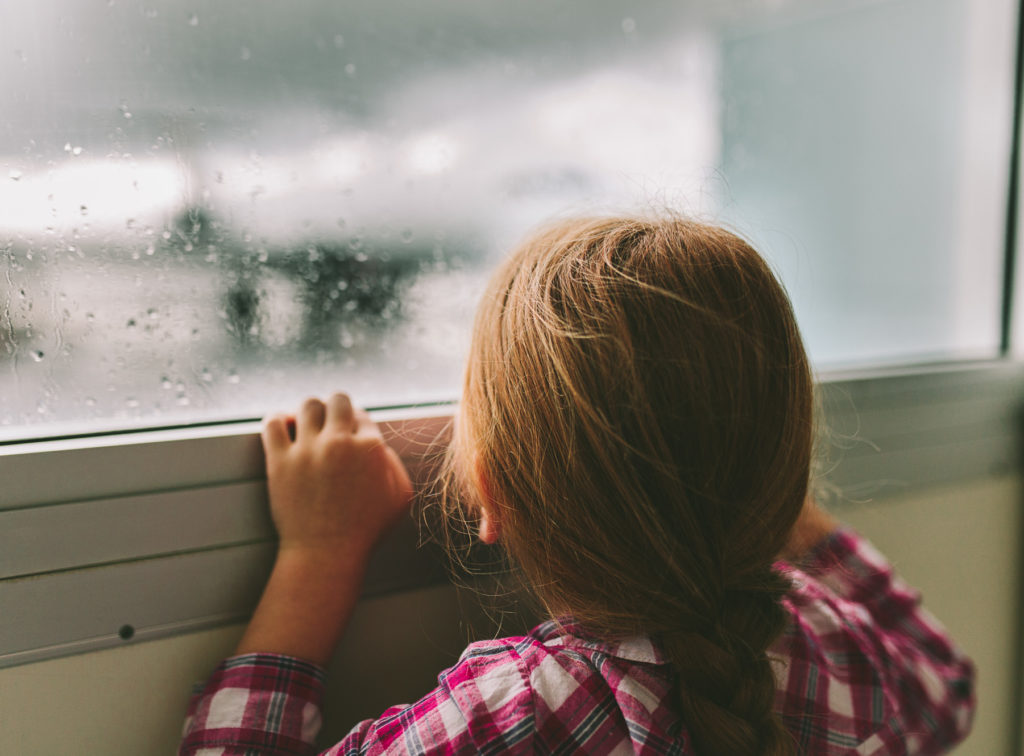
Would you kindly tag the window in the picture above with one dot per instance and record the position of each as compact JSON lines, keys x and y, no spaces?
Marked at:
{"x":212,"y":209}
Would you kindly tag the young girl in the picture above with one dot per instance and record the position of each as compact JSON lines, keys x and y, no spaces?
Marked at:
{"x":636,"y":432}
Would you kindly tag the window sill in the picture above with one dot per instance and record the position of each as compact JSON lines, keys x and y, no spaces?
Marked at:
{"x":122,"y":538}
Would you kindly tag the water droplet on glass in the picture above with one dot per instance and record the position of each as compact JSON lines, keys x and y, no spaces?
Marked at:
{"x":233,"y":377}
{"x":67,"y":146}
{"x":37,"y":355}
{"x":165,"y":383}
{"x":206,"y":375}
{"x":182,"y":400}
{"x":350,"y":70}
{"x":152,"y":313}
{"x":14,"y":174}
{"x":246,"y":53}
{"x":83,"y":209}
{"x":193,"y":20}
{"x":150,"y":249}
{"x":339,"y":41}
{"x":130,"y":323}
{"x":342,"y":285}
{"x":76,"y":151}
{"x":628,"y":25}
{"x":166,"y":235}
{"x":131,"y":402}
{"x":362,"y":257}
{"x":406,"y":235}
{"x":90,"y":401}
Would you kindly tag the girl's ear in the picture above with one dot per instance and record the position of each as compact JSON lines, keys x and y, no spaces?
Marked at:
{"x":490,"y":527}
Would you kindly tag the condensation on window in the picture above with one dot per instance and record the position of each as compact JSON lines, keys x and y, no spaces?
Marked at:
{"x":211,"y":209}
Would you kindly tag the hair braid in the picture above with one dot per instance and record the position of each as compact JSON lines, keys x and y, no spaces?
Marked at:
{"x":726,"y":685}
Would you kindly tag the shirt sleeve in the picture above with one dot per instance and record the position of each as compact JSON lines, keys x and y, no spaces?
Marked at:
{"x":256,"y":704}
{"x":482,"y":704}
{"x":865,"y":668}
{"x":268,"y":705}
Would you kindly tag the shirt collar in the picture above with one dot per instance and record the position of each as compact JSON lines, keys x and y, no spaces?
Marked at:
{"x":567,"y":632}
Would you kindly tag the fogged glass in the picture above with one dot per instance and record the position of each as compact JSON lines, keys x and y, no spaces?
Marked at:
{"x":211,"y":209}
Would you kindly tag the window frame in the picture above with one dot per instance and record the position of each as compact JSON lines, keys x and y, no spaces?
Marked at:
{"x":184,"y":510}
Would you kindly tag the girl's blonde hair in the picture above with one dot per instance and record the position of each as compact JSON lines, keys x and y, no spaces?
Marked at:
{"x":638,"y":406}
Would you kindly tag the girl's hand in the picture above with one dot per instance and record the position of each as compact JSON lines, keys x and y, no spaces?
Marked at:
{"x":812,"y":527}
{"x":336,"y":487}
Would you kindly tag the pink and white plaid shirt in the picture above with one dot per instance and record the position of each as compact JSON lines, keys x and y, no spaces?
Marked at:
{"x":862,"y":669}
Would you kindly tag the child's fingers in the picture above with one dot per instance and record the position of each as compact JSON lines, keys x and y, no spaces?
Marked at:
{"x":275,"y":433}
{"x":340,"y":414}
{"x":311,"y":419}
{"x":364,"y":426}
{"x":401,"y":480}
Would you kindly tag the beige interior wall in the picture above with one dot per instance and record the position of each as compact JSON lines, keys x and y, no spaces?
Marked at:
{"x":959,"y":544}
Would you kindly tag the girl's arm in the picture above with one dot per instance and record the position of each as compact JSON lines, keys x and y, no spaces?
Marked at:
{"x":335,"y":488}
{"x":864,"y":661}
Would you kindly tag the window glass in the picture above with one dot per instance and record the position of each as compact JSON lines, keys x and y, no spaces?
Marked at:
{"x":210,"y":209}
{"x":867,"y":150}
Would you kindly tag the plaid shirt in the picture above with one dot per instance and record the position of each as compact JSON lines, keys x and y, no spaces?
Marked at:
{"x":862,"y":669}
